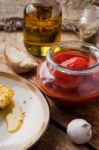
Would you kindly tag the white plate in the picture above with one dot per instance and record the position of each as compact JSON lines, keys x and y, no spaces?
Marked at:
{"x":36,"y":114}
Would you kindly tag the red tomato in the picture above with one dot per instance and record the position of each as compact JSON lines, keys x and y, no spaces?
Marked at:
{"x":67,"y":80}
{"x":64,"y":80}
{"x":63,"y":56}
{"x":75,"y":63}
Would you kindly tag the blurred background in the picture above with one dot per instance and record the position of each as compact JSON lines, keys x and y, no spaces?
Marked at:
{"x":11,"y":13}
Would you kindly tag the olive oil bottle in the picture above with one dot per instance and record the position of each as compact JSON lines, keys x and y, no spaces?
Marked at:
{"x":42,"y":26}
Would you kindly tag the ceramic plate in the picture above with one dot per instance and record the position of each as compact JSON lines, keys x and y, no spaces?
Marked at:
{"x":36,"y":114}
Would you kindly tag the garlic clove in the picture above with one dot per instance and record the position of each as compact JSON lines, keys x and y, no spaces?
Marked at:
{"x":79,"y":131}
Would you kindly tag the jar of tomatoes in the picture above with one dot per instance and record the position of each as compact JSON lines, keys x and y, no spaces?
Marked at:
{"x":70,"y":73}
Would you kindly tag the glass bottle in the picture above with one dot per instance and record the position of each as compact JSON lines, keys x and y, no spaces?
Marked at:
{"x":42,"y":25}
{"x":89,"y":25}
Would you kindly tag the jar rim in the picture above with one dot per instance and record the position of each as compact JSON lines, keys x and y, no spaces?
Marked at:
{"x":67,"y":70}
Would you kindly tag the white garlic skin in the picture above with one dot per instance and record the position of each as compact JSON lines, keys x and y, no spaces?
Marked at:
{"x":79,"y":131}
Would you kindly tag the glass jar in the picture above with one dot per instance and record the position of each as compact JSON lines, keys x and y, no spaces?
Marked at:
{"x":42,"y":25}
{"x":70,"y":73}
{"x":89,"y":25}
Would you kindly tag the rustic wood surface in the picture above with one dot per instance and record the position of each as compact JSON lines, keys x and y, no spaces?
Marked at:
{"x":55,"y":138}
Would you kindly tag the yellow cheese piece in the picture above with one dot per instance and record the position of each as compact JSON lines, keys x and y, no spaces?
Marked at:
{"x":6,"y":95}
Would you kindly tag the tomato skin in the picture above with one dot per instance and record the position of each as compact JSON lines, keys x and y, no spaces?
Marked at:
{"x":75,"y":63}
{"x":63,"y":80}
{"x":61,"y":57}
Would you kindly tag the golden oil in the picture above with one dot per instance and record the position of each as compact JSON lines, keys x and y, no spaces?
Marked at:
{"x":42,"y":27}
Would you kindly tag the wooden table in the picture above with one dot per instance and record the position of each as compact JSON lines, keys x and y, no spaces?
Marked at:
{"x":55,"y":137}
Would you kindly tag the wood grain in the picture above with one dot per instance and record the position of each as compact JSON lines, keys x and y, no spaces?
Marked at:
{"x":55,"y":139}
{"x":16,"y":39}
{"x":62,"y":116}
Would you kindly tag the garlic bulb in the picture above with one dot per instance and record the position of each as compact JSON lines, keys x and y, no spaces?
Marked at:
{"x":79,"y":131}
